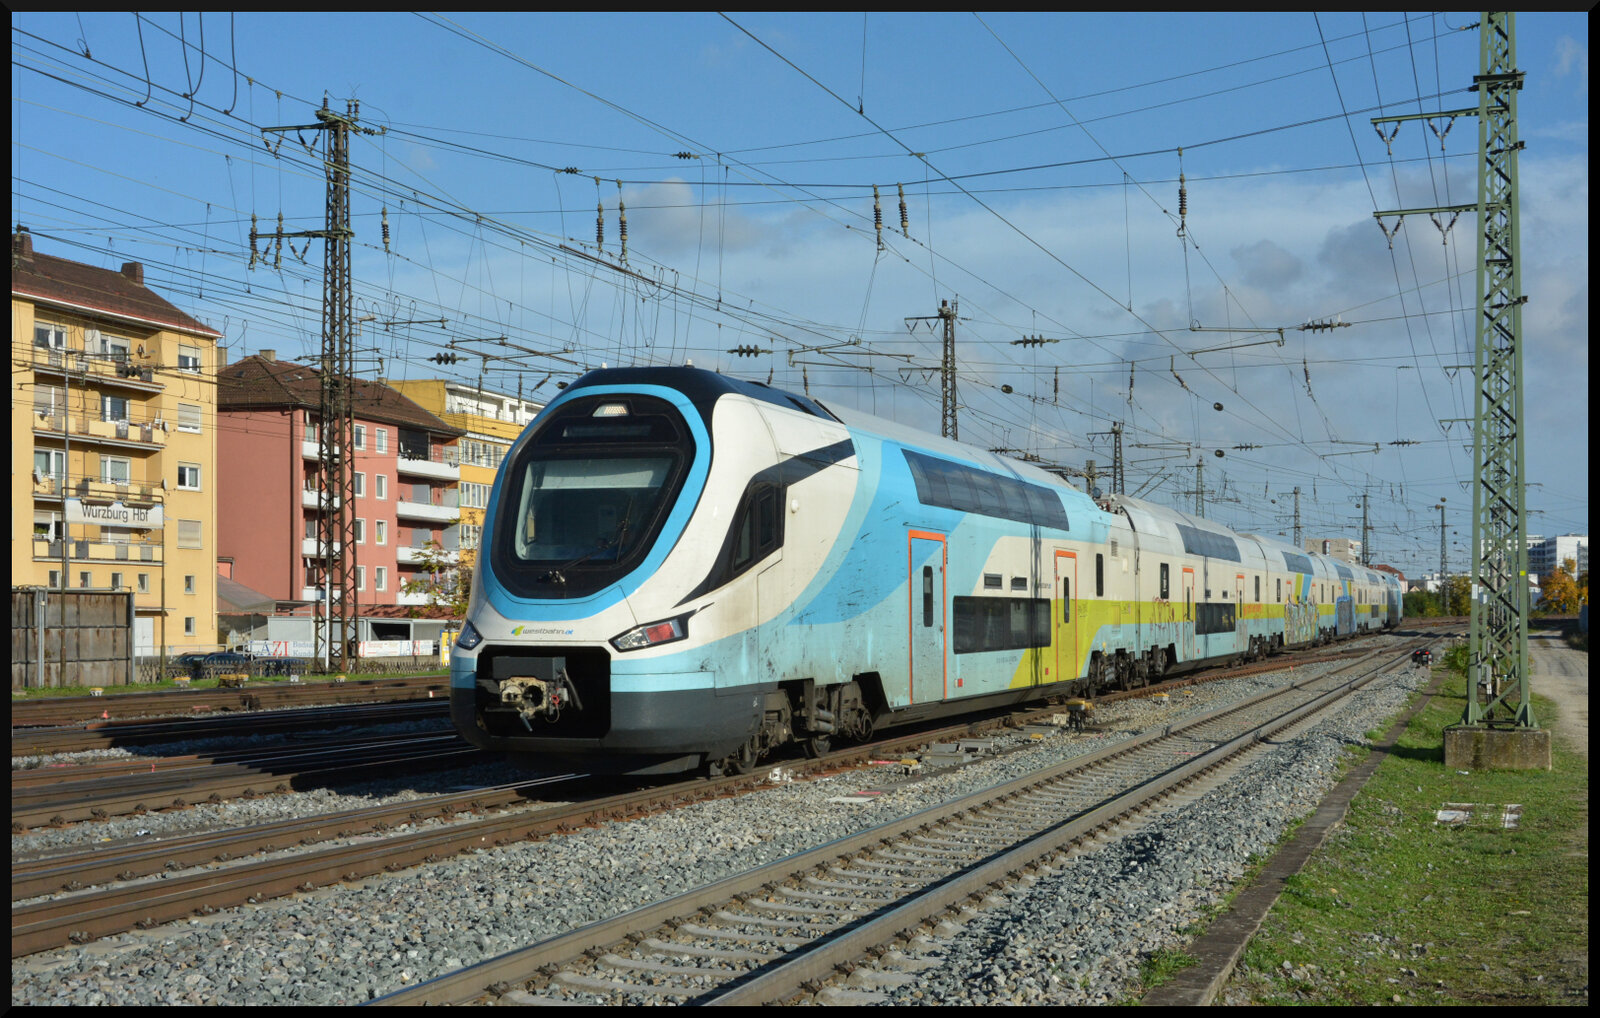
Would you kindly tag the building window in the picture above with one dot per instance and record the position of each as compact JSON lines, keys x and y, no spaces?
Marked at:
{"x":84,"y":581}
{"x":48,"y":400}
{"x":474,"y":496}
{"x":361,"y":530}
{"x":188,"y":583}
{"x":189,"y":533}
{"x":382,"y":531}
{"x":116,"y":581}
{"x":380,"y":578}
{"x":51,"y":337}
{"x":189,"y":476}
{"x":381,"y":483}
{"x":311,"y":530}
{"x":113,"y":408}
{"x":114,"y":470}
{"x":50,"y":463}
{"x":189,"y":418}
{"x":189,"y":359}
{"x":361,"y":577}
{"x":361,"y":436}
{"x":188,"y":625}
{"x":380,"y":438}
{"x":361,"y":485}
{"x":469,"y":536}
{"x":55,"y":578}
{"x":113,"y":347}
{"x":144,"y":583}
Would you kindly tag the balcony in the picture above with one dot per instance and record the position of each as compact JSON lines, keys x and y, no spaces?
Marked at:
{"x":309,"y":499}
{"x":313,"y":548}
{"x":411,"y":555}
{"x":311,"y":450}
{"x":146,"y":435}
{"x":100,"y":551}
{"x":50,"y":487}
{"x":98,"y":370}
{"x":441,"y":465}
{"x":426,"y":511}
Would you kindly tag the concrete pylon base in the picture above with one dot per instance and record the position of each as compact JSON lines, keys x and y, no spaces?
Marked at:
{"x":1511,"y":749}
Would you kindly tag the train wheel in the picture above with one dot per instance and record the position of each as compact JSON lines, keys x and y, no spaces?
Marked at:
{"x":743,"y":760}
{"x":816,"y":745}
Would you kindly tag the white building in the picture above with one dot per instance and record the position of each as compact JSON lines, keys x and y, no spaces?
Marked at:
{"x":1545,"y":554}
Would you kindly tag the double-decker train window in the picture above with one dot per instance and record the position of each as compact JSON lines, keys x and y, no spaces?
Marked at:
{"x":999,"y":623}
{"x":1066,"y":600}
{"x":1165,"y":588}
{"x":927,"y":597}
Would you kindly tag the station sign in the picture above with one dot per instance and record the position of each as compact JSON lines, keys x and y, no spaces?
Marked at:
{"x":114,"y":515}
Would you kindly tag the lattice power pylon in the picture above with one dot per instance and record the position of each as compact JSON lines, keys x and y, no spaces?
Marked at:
{"x":1498,"y":668}
{"x":1498,"y":662}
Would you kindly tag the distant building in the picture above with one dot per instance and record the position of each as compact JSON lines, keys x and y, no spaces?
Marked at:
{"x":1545,"y":554}
{"x":406,"y":482}
{"x":114,"y":445}
{"x":1341,"y":548}
{"x":491,"y":422}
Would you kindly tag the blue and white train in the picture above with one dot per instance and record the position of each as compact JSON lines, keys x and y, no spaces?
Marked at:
{"x":679,"y":569}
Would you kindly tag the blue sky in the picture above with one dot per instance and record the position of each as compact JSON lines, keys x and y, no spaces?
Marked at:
{"x":1039,"y":156}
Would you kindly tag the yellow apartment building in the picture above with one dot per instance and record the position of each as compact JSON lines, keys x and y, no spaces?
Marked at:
{"x":492,"y":421}
{"x":113,"y":461}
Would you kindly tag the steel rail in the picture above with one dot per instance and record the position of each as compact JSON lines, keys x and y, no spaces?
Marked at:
{"x":518,"y":966}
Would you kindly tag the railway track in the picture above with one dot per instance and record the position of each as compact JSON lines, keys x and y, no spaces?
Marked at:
{"x":767,"y":935}
{"x":84,"y":915}
{"x":69,"y":710}
{"x":107,"y":734}
{"x":57,"y":796}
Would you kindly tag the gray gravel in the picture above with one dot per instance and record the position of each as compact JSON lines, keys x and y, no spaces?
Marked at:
{"x":1074,"y":939}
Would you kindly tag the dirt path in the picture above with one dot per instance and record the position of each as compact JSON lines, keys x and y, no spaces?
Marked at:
{"x":1562,"y":674}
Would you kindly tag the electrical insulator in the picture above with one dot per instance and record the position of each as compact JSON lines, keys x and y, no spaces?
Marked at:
{"x":385,"y":228}
{"x":622,"y":224}
{"x":1216,"y":406}
{"x":905,"y":222}
{"x":443,"y":358}
{"x":747,"y":351}
{"x":877,"y":216}
{"x":599,"y":218}
{"x":1183,"y":198}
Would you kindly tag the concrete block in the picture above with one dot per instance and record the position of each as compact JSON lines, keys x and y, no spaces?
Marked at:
{"x":1480,"y":748}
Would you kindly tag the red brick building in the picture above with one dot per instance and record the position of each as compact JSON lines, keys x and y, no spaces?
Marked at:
{"x":407,"y":480}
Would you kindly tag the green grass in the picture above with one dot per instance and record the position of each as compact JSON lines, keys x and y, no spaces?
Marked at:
{"x":1396,"y":907}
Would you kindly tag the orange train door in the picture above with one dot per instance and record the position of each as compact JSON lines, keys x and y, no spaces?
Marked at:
{"x":1188,"y":614}
{"x":925,"y":585}
{"x":1238,"y":612}
{"x":1068,"y":664}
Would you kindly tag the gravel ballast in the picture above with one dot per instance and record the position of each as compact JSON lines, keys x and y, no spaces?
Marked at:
{"x":1074,"y":938}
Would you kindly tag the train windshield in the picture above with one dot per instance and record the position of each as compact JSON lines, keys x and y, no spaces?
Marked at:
{"x":587,"y":497}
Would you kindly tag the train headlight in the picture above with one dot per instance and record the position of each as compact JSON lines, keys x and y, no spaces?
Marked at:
{"x":653,"y":634}
{"x":469,"y":638}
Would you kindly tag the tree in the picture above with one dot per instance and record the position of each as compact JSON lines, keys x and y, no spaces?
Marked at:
{"x":1457,"y":595}
{"x":446,"y":580}
{"x":1561,"y":593}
